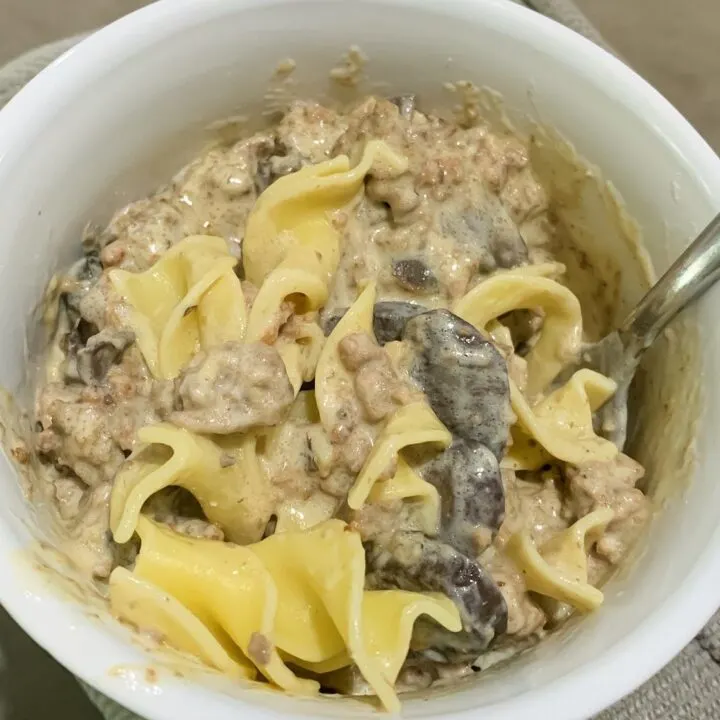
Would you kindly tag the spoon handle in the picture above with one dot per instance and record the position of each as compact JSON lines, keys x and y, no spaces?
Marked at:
{"x":686,"y":279}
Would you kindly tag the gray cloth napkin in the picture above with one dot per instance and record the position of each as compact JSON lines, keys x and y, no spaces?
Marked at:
{"x":687,"y":689}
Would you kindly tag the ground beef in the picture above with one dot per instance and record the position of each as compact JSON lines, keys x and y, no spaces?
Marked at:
{"x":377,"y":386}
{"x":611,"y":484}
{"x":525,"y":618}
{"x":231,"y":388}
{"x":78,"y":432}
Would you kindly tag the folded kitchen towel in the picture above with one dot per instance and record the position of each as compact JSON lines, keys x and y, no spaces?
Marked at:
{"x":687,"y":689}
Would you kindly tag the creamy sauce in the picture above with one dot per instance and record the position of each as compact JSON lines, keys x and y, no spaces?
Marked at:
{"x":469,"y":205}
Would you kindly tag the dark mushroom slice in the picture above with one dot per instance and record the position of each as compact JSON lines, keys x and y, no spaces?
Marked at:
{"x":463,"y":376}
{"x":94,"y":238}
{"x":270,"y":527}
{"x":76,"y":330}
{"x":90,"y":364}
{"x":86,"y":272}
{"x":523,"y":326}
{"x":89,"y":269}
{"x":274,"y":161}
{"x":472,"y":495}
{"x":488,"y":235}
{"x":414,"y":275}
{"x":412,"y":561}
{"x":264,"y":152}
{"x":405,"y":104}
{"x":389,"y":319}
{"x":79,"y":330}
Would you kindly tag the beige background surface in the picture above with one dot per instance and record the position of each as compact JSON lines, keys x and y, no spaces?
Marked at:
{"x":670,"y":42}
{"x":673,"y":43}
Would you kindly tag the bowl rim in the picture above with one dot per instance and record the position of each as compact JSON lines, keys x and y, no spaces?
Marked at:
{"x":628,"y":663}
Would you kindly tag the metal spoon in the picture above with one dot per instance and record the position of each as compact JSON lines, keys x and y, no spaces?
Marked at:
{"x":618,"y":354}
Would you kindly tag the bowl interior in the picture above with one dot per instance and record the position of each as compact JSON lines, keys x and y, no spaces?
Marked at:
{"x":117,"y":116}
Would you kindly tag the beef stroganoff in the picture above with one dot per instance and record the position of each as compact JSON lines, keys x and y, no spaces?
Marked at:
{"x":299,"y":415}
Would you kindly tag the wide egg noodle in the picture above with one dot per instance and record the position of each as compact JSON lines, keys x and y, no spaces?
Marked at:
{"x":328,"y":563}
{"x":406,"y":484}
{"x":294,"y":515}
{"x":326,"y":620}
{"x":222,"y":312}
{"x":301,"y":352}
{"x":320,"y":575}
{"x":294,"y":212}
{"x":226,"y":480}
{"x":226,"y":587}
{"x":413,"y":424}
{"x":147,"y":607}
{"x":291,"y":247}
{"x":333,"y":382}
{"x":301,"y":514}
{"x":298,"y":513}
{"x":561,"y":332}
{"x":299,"y":277}
{"x":190,"y":299}
{"x":559,"y":568}
{"x":552,"y":270}
{"x":561,"y":425}
{"x":302,"y":412}
{"x":388,"y":619}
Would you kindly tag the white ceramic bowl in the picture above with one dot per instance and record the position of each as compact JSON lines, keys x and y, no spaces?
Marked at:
{"x":117,"y":114}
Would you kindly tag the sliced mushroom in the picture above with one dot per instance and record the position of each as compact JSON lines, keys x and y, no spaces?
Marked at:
{"x":488,"y":235}
{"x":330,"y":318}
{"x":523,"y":326}
{"x":90,"y":364}
{"x":411,"y":561}
{"x":472,"y":495}
{"x":414,"y":275}
{"x":85,"y":273}
{"x":389,"y":319}
{"x":93,"y":238}
{"x":89,"y":268}
{"x":80,"y":330}
{"x":463,"y":376}
{"x":405,"y":104}
{"x":274,"y":161}
{"x":262,"y":152}
{"x":270,"y":527}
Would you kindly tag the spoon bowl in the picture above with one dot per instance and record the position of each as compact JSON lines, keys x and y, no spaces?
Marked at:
{"x":618,"y":354}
